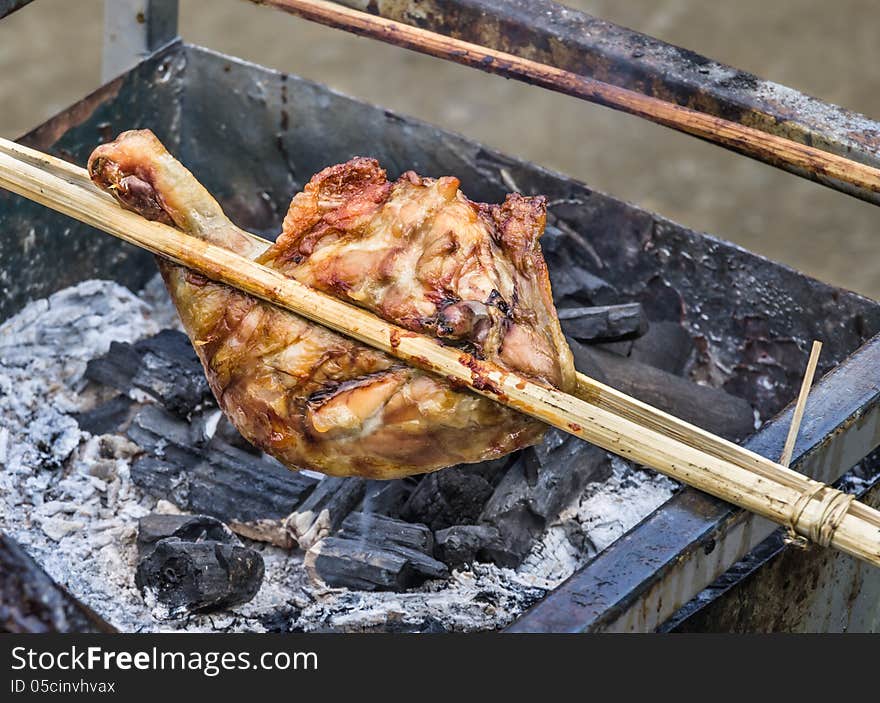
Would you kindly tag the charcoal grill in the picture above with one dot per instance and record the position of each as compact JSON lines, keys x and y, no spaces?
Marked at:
{"x":696,"y":561}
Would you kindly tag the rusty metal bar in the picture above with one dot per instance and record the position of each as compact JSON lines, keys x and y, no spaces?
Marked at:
{"x":647,"y":575}
{"x":548,"y":32}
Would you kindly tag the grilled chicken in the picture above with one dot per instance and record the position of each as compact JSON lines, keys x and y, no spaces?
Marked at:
{"x":416,"y":252}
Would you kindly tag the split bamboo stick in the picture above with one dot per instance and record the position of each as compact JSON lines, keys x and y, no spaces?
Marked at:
{"x":769,"y":148}
{"x":801,"y":404}
{"x":602,"y":416}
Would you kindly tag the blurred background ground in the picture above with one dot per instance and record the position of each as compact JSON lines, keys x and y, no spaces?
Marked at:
{"x":50,"y":57}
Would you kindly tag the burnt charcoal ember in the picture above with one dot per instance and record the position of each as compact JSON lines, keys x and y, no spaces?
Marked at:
{"x":236,"y":485}
{"x":463,"y":544}
{"x":662,"y":301}
{"x":195,"y":563}
{"x":189,"y":528}
{"x":171,"y":372}
{"x":665,"y":345}
{"x":387,"y":497}
{"x":543,"y":481}
{"x":381,"y":530}
{"x":573,"y":285}
{"x":225,"y":432}
{"x":322,"y":513}
{"x":604,"y":322}
{"x":218,"y":479}
{"x":164,"y":366}
{"x":160,"y":432}
{"x":201,"y":575}
{"x":31,"y":602}
{"x":107,"y":417}
{"x":116,"y":368}
{"x":161,"y":478}
{"x":569,"y":281}
{"x":362,"y":565}
{"x":449,"y":497}
{"x":280,"y":620}
{"x":710,"y":408}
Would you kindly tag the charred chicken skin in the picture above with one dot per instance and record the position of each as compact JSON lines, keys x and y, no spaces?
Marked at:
{"x":416,"y":252}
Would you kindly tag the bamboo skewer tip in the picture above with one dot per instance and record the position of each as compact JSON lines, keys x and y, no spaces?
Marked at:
{"x":801,"y":404}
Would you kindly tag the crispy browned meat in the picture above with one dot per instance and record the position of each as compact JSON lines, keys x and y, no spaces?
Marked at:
{"x":418,"y":253}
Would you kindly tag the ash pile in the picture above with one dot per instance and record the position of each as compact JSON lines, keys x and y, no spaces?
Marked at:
{"x":120,"y":476}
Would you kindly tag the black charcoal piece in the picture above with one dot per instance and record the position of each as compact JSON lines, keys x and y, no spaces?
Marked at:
{"x":322,"y":513}
{"x":463,"y":544}
{"x":712,"y":409}
{"x":227,"y":433}
{"x":603,"y":323}
{"x":107,"y":417}
{"x":357,"y":564}
{"x":161,"y":478}
{"x":382,"y":530}
{"x":387,"y":497}
{"x":31,"y":602}
{"x":538,"y":485}
{"x":164,"y":366}
{"x":116,"y":368}
{"x":218,"y":480}
{"x":666,"y":345}
{"x":449,"y":497}
{"x":188,"y":528}
{"x":156,"y":430}
{"x":199,"y":576}
{"x":573,"y":285}
{"x":171,"y":345}
{"x":171,"y":372}
{"x":236,"y":485}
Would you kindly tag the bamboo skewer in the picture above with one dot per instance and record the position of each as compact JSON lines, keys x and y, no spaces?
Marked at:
{"x":772,"y":149}
{"x":801,"y":404}
{"x":604,"y":417}
{"x":605,"y":396}
{"x":594,"y":391}
{"x":589,"y":389}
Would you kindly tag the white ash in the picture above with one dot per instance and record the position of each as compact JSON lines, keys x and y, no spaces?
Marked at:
{"x":603,"y":513}
{"x":68,"y":498}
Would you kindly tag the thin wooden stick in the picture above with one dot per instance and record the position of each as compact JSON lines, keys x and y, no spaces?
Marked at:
{"x":801,"y":404}
{"x":636,"y":434}
{"x":749,"y":141}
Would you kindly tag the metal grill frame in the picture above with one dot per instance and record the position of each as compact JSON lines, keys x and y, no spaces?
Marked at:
{"x":639,"y":582}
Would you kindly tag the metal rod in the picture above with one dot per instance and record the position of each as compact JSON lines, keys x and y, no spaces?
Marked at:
{"x":754,"y":143}
{"x":134,"y":29}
